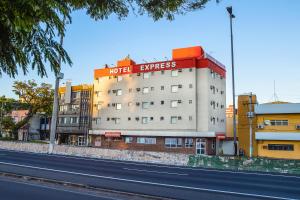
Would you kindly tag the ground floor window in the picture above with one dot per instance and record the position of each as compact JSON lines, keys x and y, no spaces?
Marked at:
{"x":173,"y":142}
{"x":128,"y":139}
{"x":81,"y":140}
{"x":146,"y":140}
{"x":72,"y":140}
{"x":281,"y":147}
{"x":200,"y":146}
{"x":189,"y":142}
{"x":98,"y":142}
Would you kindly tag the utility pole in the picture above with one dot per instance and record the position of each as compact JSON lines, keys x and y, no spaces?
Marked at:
{"x":1,"y":119}
{"x":250,"y":117}
{"x":231,"y":16}
{"x":58,"y":76}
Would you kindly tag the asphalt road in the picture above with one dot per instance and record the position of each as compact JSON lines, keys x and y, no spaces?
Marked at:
{"x":159,"y":180}
{"x":17,"y":190}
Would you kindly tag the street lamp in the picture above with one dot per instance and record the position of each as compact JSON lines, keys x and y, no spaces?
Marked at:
{"x":231,"y":16}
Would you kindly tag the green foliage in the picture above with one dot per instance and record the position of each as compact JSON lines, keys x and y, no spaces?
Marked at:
{"x":7,"y":123}
{"x":39,"y":98}
{"x":30,"y":29}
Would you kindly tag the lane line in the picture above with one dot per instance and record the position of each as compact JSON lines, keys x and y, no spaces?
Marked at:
{"x":58,"y":189}
{"x":158,"y":172}
{"x":157,"y":165}
{"x":150,"y":183}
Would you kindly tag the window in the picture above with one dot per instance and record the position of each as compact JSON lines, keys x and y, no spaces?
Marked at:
{"x":118,"y":106}
{"x":145,"y":120}
{"x":213,"y":120}
{"x":137,"y":118}
{"x":173,"y":142}
{"x":162,"y":87}
{"x":213,"y":74}
{"x":129,"y":118}
{"x":174,"y":88}
{"x":145,"y":90}
{"x":222,"y":92}
{"x":188,"y":142}
{"x":119,"y":92}
{"x":190,"y":101}
{"x":146,"y":75}
{"x":190,"y":118}
{"x":145,"y":105}
{"x":174,"y":103}
{"x":98,"y":120}
{"x":63,"y":108}
{"x":75,"y":95}
{"x":161,"y":118}
{"x":128,"y":139}
{"x":279,"y":122}
{"x":174,"y":119}
{"x":162,"y":72}
{"x":213,"y":89}
{"x":107,"y":119}
{"x":81,"y":141}
{"x":152,"y":88}
{"x":152,"y":103}
{"x":74,"y":120}
{"x":137,"y":103}
{"x":108,"y":105}
{"x":190,"y":70}
{"x":138,"y":74}
{"x":200,"y":146}
{"x":119,"y":78}
{"x":281,"y":147}
{"x":174,"y":73}
{"x":190,"y":85}
{"x":138,"y":89}
{"x":162,"y":102}
{"x":145,"y":140}
{"x":117,"y":121}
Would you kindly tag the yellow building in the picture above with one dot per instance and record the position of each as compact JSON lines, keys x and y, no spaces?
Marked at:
{"x":75,"y":114}
{"x":276,"y":128}
{"x":229,"y":122}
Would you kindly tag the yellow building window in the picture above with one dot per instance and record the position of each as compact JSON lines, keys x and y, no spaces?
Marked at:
{"x":281,"y":147}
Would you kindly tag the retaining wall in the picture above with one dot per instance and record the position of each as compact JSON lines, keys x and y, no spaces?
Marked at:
{"x":128,"y":155}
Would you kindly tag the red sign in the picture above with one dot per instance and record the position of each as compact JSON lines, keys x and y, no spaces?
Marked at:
{"x":159,"y":66}
{"x":112,"y":134}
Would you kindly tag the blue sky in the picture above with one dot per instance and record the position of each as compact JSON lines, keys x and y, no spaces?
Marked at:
{"x":266,"y":39}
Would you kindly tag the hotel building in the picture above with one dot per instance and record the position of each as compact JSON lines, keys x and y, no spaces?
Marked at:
{"x":176,"y":105}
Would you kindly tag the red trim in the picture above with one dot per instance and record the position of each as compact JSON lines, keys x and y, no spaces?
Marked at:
{"x":112,"y":134}
{"x":163,"y":65}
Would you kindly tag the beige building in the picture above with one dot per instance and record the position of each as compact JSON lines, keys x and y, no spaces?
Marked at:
{"x":176,"y":105}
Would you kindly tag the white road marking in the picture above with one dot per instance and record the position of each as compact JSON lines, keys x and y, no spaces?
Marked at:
{"x":157,"y":165}
{"x":158,"y":172}
{"x":149,"y":183}
{"x":60,"y":189}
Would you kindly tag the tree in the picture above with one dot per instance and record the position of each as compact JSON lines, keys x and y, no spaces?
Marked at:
{"x":30,"y":29}
{"x":39,"y":98}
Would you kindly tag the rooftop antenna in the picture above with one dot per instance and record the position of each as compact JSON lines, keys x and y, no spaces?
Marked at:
{"x":275,"y":94}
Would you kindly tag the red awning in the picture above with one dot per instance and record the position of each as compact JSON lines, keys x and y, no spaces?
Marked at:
{"x":112,"y":134}
{"x":221,"y":137}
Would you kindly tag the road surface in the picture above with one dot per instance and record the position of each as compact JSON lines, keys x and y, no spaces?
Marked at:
{"x":153,"y":179}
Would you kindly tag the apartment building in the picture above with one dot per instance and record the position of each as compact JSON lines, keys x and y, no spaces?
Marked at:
{"x":276,"y":128}
{"x":74,"y":117}
{"x":176,"y":105}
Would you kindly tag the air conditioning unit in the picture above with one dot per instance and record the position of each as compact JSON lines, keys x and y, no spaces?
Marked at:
{"x":260,"y":126}
{"x":298,"y":126}
{"x":267,"y":122}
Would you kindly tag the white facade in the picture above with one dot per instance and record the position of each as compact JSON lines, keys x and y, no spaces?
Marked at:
{"x":188,"y":100}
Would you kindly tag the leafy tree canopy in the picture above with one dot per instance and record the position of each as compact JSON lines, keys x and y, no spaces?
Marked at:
{"x":38,"y":98}
{"x":30,"y":28}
